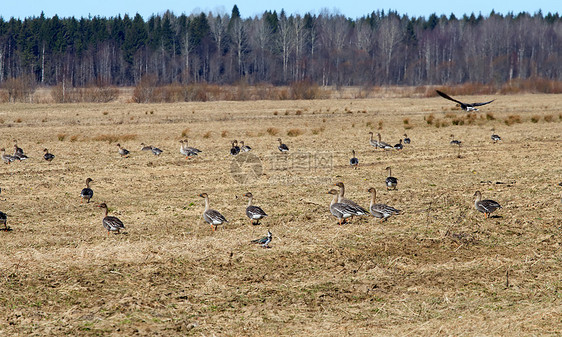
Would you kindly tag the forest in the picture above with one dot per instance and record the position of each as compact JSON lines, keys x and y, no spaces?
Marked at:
{"x":328,"y":49}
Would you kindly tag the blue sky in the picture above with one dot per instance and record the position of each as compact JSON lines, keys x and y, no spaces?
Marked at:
{"x":65,"y":8}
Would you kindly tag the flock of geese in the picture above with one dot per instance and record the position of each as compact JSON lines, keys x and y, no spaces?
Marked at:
{"x":340,"y":207}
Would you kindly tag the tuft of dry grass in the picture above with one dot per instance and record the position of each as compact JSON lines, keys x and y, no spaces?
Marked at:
{"x":224,"y":133}
{"x":272,"y":131}
{"x":61,"y":137}
{"x":513,"y":119}
{"x":207,"y":134}
{"x":185,"y":132}
{"x":549,"y":118}
{"x":429,"y":119}
{"x":535,"y":119}
{"x":295,"y":132}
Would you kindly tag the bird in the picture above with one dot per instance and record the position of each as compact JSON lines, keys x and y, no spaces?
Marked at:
{"x":391,"y":182}
{"x":4,"y":220}
{"x":6,"y":157}
{"x":123,"y":152}
{"x":235,"y":149}
{"x":359,"y":210}
{"x":383,"y":145}
{"x":87,"y":193}
{"x":254,"y":212}
{"x":406,"y":139}
{"x":190,"y":149}
{"x":340,"y":210}
{"x":187,"y":151}
{"x":212,"y":217}
{"x":48,"y":156}
{"x":156,"y":151}
{"x":244,"y":148}
{"x":146,"y":147}
{"x":18,"y":153}
{"x":373,"y":142}
{"x":485,"y":206}
{"x":380,"y":211}
{"x":455,"y":141}
{"x":399,"y":146}
{"x":264,"y":242}
{"x":282,"y":147}
{"x":464,"y":106}
{"x":495,"y":138}
{"x":354,"y":162}
{"x":111,"y":223}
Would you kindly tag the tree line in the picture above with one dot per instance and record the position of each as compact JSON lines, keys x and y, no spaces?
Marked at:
{"x":381,"y":48}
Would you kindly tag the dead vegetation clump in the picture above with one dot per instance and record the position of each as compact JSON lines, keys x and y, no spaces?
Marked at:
{"x":114,"y":138}
{"x":295,"y":132}
{"x":513,"y":119}
{"x":272,"y":131}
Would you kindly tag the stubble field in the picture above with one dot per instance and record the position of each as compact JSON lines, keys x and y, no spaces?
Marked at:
{"x":439,"y":268}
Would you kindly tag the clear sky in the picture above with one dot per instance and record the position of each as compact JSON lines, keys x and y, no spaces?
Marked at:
{"x":83,"y":8}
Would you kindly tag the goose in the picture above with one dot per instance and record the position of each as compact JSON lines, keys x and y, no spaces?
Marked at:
{"x":464,"y":106}
{"x":383,"y":145}
{"x":455,"y":141}
{"x":6,"y":157}
{"x":123,"y":152}
{"x":244,"y":148}
{"x":282,"y":147}
{"x":212,"y":217}
{"x":4,"y":220}
{"x":264,"y":242}
{"x":87,"y":193}
{"x":406,"y":139}
{"x":189,"y":148}
{"x":354,"y":162}
{"x":111,"y":223}
{"x":399,"y":146}
{"x":340,"y":210}
{"x":380,"y":211}
{"x":359,"y":210}
{"x":391,"y":182}
{"x":485,"y":206}
{"x":495,"y":138}
{"x":372,"y":141}
{"x":145,"y":147}
{"x":254,"y":212}
{"x":156,"y":151}
{"x":48,"y":156}
{"x":18,"y":153}
{"x":235,"y":149}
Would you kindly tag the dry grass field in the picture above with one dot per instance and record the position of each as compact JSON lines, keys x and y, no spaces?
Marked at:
{"x":439,"y":268}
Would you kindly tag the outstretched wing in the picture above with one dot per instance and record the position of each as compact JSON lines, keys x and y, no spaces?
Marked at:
{"x":444,"y":95}
{"x":479,"y":104}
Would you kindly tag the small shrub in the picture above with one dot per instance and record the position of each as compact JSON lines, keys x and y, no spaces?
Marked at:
{"x":295,"y":132}
{"x":272,"y":131}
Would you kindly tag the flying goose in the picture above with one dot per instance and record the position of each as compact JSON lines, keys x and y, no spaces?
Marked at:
{"x":254,"y":212}
{"x":485,"y":206}
{"x":380,"y":211}
{"x":87,"y":193}
{"x":111,"y":223}
{"x":264,"y":242}
{"x":464,"y":106}
{"x":48,"y":156}
{"x":282,"y":147}
{"x":391,"y":182}
{"x":212,"y":217}
{"x":354,"y":162}
{"x":340,"y":210}
{"x":123,"y":152}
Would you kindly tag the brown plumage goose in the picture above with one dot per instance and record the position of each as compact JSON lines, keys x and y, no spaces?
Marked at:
{"x":340,"y":210}
{"x":485,"y":206}
{"x":359,"y":210}
{"x":254,"y":212}
{"x":380,"y":211}
{"x":212,"y":217}
{"x":111,"y":223}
